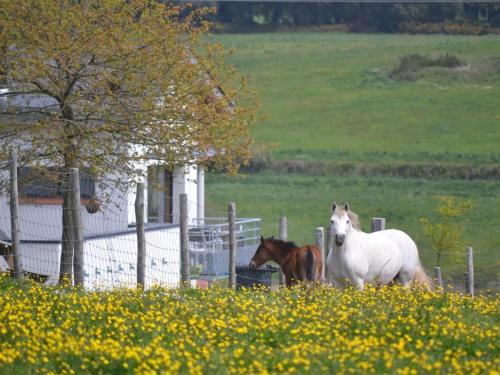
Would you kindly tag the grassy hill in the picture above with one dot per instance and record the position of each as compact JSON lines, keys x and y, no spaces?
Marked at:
{"x":332,"y":102}
{"x":330,"y":92}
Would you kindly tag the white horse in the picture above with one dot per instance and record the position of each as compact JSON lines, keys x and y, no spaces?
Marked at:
{"x":376,"y":258}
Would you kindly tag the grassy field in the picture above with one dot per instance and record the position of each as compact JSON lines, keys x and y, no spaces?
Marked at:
{"x":306,"y":201}
{"x":329,"y":92}
{"x":330,"y":99}
{"x":219,"y":331}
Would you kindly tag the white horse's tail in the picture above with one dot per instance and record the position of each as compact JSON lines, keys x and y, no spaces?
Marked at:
{"x":422,"y":279}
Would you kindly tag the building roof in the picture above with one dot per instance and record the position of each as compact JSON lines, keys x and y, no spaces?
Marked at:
{"x":24,"y":107}
{"x":25,"y":101}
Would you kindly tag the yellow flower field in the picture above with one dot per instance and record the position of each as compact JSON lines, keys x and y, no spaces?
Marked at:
{"x":218,"y":331}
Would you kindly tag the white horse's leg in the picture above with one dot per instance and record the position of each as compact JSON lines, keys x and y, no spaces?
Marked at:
{"x":329,"y":276}
{"x":360,"y":284}
{"x":335,"y":283}
{"x":332,"y":280}
{"x":405,"y":279}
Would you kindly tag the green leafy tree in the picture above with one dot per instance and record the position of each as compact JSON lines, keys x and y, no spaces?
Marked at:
{"x":118,"y":83}
{"x":445,"y":233}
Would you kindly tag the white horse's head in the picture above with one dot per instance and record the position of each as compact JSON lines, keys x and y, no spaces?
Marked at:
{"x":341,"y":223}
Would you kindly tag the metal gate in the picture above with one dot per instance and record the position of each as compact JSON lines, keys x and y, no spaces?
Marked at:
{"x":209,"y":246}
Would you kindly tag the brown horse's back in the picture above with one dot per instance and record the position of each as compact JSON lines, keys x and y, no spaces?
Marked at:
{"x":311,"y":262}
{"x":303,"y":264}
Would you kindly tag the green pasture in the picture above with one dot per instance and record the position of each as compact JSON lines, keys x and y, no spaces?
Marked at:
{"x":329,"y":98}
{"x":306,"y":201}
{"x":328,"y":95}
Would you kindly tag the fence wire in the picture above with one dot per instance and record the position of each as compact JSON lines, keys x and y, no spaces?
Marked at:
{"x":110,"y":245}
{"x":109,"y":231}
{"x":209,"y":251}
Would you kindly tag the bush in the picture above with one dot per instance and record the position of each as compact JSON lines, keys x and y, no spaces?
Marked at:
{"x":409,"y":66}
{"x":445,"y":233}
{"x":452,"y":28}
{"x":261,"y":159}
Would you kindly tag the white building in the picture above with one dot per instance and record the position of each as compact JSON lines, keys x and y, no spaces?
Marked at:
{"x":110,"y":244}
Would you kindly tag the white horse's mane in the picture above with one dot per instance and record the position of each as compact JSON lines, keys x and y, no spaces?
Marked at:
{"x":355,"y":222}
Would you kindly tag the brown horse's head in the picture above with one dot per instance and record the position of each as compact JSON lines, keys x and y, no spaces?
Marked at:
{"x":262,"y":254}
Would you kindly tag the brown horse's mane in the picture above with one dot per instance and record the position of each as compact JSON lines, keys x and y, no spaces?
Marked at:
{"x":286,"y":245}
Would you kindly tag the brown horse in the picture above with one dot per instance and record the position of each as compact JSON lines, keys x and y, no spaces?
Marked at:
{"x":297,"y":263}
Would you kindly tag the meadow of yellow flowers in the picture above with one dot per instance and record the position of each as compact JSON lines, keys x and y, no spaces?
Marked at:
{"x":218,"y":331}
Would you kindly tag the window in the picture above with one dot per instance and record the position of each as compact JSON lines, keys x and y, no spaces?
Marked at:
{"x":160,"y":182}
{"x":44,"y":186}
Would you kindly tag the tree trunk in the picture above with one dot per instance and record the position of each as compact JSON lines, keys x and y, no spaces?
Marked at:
{"x":67,"y":242}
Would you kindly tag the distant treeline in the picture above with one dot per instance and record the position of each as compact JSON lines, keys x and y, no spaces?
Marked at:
{"x":462,"y":18}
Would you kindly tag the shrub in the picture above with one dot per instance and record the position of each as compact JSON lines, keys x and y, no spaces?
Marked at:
{"x":445,"y":233}
{"x":453,"y":28}
{"x":409,"y":66}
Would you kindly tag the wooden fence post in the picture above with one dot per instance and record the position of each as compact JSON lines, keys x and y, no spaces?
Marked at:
{"x":320,"y":242}
{"x":141,"y":237}
{"x":378,"y":224}
{"x":283,"y":235}
{"x":14,"y":217}
{"x":231,"y":216}
{"x":329,"y":240}
{"x":185,"y":275}
{"x":329,"y":246}
{"x":76,"y":214}
{"x":469,"y":287}
{"x":438,"y":277}
{"x":67,"y":242}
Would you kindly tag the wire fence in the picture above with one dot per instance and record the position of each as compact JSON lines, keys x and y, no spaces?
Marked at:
{"x":48,"y":246}
{"x":454,"y":272}
{"x":209,"y":249}
{"x":94,"y":240}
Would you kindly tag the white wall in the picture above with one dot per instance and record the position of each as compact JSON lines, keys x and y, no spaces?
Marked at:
{"x":112,"y":261}
{"x":114,"y":253}
{"x":4,"y":211}
{"x":42,"y":258}
{"x":200,"y":188}
{"x":185,"y":183}
{"x":42,"y":222}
